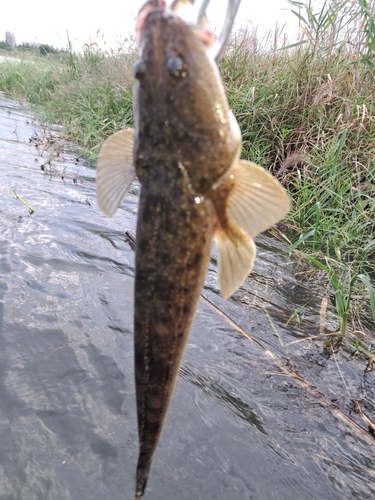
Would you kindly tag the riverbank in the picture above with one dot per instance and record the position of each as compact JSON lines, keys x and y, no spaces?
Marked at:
{"x":306,"y":112}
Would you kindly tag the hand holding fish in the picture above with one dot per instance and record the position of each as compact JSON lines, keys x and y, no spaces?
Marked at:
{"x":185,"y":150}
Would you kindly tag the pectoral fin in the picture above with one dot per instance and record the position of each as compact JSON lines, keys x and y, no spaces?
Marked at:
{"x":248,"y":202}
{"x":115,"y":171}
{"x":257,"y":200}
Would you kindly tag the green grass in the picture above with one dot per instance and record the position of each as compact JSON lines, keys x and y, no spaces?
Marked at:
{"x":306,"y":112}
{"x":90,"y":94}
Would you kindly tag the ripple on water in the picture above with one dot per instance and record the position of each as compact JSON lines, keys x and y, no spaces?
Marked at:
{"x":240,"y":426}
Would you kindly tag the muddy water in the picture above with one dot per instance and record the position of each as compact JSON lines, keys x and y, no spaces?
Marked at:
{"x":250,"y":418}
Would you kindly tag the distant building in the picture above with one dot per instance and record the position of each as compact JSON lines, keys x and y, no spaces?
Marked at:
{"x":10,"y":38}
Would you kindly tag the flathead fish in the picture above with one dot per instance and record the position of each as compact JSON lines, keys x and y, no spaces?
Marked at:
{"x":185,"y":150}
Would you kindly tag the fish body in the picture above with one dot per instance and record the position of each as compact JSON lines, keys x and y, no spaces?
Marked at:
{"x":173,"y":246}
{"x":185,"y":151}
{"x":173,"y":140}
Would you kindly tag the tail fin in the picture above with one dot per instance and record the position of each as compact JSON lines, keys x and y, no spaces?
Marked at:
{"x":143,"y":471}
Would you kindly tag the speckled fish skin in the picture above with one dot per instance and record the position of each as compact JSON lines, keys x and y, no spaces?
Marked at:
{"x":184,"y":144}
{"x":185,"y":150}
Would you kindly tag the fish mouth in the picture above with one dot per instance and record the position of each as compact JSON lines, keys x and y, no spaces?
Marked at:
{"x":198,"y":22}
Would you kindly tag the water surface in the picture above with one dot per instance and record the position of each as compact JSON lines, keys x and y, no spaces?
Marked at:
{"x":249,"y":419}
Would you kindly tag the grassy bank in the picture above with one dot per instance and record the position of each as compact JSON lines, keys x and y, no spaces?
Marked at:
{"x":309,"y":113}
{"x":90,"y":94}
{"x":306,"y":111}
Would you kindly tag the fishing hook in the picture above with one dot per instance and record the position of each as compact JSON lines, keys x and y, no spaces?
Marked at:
{"x":223,"y":37}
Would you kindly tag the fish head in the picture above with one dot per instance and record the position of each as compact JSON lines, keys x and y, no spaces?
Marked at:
{"x":180,"y":107}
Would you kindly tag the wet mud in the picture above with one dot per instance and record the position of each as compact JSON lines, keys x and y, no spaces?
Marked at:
{"x":255,"y":414}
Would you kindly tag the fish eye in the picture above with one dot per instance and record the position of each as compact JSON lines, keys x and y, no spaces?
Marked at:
{"x":176,"y":67}
{"x":139,"y":69}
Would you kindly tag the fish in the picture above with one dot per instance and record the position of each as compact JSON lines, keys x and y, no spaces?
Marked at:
{"x":185,"y":150}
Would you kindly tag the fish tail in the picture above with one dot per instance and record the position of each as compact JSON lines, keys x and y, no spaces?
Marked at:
{"x":143,"y":471}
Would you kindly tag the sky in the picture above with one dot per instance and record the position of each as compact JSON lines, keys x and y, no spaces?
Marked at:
{"x":45,"y":22}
